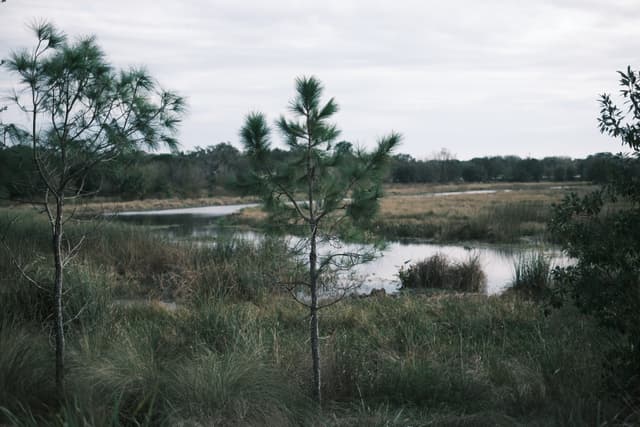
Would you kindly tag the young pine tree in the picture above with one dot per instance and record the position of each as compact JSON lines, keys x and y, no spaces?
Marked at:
{"x":81,"y":113}
{"x":320,"y":184}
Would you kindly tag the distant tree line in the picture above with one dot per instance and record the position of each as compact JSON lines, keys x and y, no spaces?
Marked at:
{"x":222,"y":169}
{"x":596,"y":168}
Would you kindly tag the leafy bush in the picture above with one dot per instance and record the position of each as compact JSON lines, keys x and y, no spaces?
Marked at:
{"x":601,"y":230}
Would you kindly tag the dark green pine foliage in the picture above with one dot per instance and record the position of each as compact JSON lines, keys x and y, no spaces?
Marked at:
{"x":342,"y":181}
{"x":323,"y":187}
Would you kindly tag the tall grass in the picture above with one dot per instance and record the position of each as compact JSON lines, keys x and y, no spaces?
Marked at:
{"x":235,"y":353}
{"x":510,"y":221}
{"x":532,"y":275}
{"x":235,"y":388}
{"x":479,"y":361}
{"x":438,"y":272}
{"x":26,"y":380}
{"x":466,"y":360}
{"x":139,"y":264}
{"x":151,"y":367}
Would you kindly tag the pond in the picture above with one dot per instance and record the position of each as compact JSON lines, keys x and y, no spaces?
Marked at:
{"x":200,"y":225}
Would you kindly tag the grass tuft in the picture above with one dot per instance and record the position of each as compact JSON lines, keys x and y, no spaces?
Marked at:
{"x":532,"y":275}
{"x":438,"y":272}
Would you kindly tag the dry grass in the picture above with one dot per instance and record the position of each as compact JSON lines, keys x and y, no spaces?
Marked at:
{"x":413,"y":200}
{"x":461,"y":206}
{"x":514,"y":211}
{"x":252,"y":215}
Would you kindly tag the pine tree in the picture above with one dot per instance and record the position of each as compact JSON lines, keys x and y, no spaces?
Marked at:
{"x":82,"y":113}
{"x":320,"y":185}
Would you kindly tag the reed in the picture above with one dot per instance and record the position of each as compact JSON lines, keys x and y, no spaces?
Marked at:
{"x":438,"y":272}
{"x":532,"y":275}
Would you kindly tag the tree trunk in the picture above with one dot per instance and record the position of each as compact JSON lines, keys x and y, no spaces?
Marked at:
{"x":314,"y":325}
{"x":58,"y":282}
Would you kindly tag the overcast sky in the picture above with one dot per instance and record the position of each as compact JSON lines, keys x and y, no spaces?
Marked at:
{"x":479,"y":78}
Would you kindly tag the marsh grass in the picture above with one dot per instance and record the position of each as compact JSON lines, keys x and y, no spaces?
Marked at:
{"x":532,"y":275}
{"x":476,"y":217}
{"x":429,"y":188}
{"x":234,"y":351}
{"x":148,"y":366}
{"x":236,"y":388}
{"x":26,"y":382}
{"x":503,"y":216}
{"x":439,"y":272}
{"x":489,"y":358}
{"x":465,"y":359}
{"x":141,"y":264}
{"x":513,"y":213}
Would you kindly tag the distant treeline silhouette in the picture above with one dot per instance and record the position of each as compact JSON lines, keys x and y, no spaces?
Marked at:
{"x":222,"y":169}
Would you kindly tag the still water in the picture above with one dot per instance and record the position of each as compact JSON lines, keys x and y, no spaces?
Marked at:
{"x":200,"y":225}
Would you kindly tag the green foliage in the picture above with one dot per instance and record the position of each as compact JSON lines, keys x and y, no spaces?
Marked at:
{"x":601,"y":231}
{"x":438,"y":272}
{"x":86,"y":112}
{"x":620,"y":122}
{"x":315,"y":166}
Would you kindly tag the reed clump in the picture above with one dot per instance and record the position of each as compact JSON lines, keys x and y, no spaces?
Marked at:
{"x":532,"y":275}
{"x":439,"y":272}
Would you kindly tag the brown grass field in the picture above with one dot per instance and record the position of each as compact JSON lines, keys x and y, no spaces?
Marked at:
{"x":516,"y":211}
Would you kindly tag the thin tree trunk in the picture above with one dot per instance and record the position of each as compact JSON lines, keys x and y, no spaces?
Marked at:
{"x":313,"y":273}
{"x":314,"y":324}
{"x":58,"y":282}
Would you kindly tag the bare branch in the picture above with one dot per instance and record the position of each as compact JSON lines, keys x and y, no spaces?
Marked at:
{"x":82,"y":309}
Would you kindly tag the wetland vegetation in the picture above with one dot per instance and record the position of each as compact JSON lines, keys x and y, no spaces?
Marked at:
{"x":160,"y":328}
{"x":218,"y":357}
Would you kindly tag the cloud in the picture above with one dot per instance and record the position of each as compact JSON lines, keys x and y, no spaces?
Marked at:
{"x":491,"y":77}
